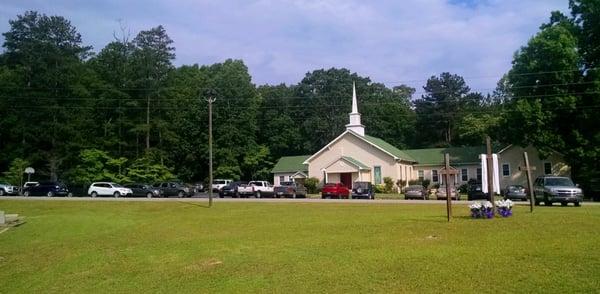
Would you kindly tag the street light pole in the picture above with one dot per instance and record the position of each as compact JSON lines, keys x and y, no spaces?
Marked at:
{"x":210,"y":101}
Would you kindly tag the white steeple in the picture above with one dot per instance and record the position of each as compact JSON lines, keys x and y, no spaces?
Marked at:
{"x":355,"y":124}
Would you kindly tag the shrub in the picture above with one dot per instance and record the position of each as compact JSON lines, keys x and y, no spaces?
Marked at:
{"x":426,"y":183}
{"x":414,"y":182}
{"x":311,"y":185}
{"x":463,"y":188}
{"x":400,"y":183}
{"x":388,"y":185}
{"x":379,"y":188}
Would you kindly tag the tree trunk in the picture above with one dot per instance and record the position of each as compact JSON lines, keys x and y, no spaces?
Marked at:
{"x":147,"y":123}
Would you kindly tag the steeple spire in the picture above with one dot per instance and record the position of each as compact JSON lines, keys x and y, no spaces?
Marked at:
{"x":354,"y":106}
{"x":354,"y":124}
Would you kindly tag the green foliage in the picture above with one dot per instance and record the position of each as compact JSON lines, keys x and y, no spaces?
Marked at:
{"x":97,"y":165}
{"x":426,"y":183}
{"x":380,"y":188}
{"x":14,"y":174}
{"x":388,"y":185}
{"x":440,"y":111}
{"x":312,"y":185}
{"x":145,"y":170}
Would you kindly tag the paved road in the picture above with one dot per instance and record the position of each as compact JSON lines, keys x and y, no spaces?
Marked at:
{"x":202,"y":198}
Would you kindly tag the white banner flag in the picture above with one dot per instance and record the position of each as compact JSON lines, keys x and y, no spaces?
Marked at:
{"x":495,"y":173}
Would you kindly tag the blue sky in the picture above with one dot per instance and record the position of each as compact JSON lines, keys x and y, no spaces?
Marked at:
{"x":393,"y":42}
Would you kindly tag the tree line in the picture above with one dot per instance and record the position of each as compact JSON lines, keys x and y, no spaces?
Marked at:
{"x":127,"y":113}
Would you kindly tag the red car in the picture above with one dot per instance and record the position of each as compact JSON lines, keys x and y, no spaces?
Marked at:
{"x":336,"y":190}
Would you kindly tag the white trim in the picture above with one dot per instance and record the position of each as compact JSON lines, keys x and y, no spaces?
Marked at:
{"x":298,"y":173}
{"x":339,"y":137}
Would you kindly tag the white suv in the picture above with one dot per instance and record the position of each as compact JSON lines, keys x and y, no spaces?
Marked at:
{"x":108,"y":189}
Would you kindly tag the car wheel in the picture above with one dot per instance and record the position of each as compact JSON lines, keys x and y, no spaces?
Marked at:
{"x":1,"y":192}
{"x":563,"y":204}
{"x":149,"y":195}
{"x":322,"y":196}
{"x":536,"y":203}
{"x":180,"y":194}
{"x":577,"y":204}
{"x":70,"y":194}
{"x":50,"y":194}
{"x":257,"y":195}
{"x":26,"y":193}
{"x":117,"y":194}
{"x":94,"y":194}
{"x":294,"y":195}
{"x":547,"y":203}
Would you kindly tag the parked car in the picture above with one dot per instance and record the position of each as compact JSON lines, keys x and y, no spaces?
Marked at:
{"x":231,"y":189}
{"x":47,"y":189}
{"x":441,"y":193}
{"x":335,"y":190}
{"x":550,"y":189}
{"x":108,"y":189}
{"x":173,"y":189}
{"x":8,"y":189}
{"x":362,"y":190}
{"x":257,"y":189}
{"x":290,"y":189}
{"x":219,"y":183}
{"x":515,"y":192}
{"x":199,"y":187}
{"x":416,"y":192}
{"x":29,"y":184}
{"x":143,"y":190}
{"x":475,"y":192}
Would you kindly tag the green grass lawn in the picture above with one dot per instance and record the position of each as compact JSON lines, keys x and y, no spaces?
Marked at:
{"x":71,"y":246}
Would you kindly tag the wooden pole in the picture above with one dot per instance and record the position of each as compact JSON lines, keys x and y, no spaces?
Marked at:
{"x":448,"y":190}
{"x":529,"y":182}
{"x":490,"y":171}
{"x":210,"y":101}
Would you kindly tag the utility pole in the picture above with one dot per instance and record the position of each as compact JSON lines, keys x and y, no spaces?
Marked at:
{"x":490,"y":171}
{"x":447,"y":172}
{"x":210,"y":101}
{"x":528,"y":170}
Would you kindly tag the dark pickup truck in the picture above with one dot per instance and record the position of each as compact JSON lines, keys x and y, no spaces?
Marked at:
{"x":290,"y":189}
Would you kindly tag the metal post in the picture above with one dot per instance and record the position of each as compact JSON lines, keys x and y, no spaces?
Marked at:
{"x":448,"y":190}
{"x":490,"y":171}
{"x":210,"y":101}
{"x":529,"y":183}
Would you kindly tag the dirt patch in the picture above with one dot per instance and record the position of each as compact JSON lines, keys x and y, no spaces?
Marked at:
{"x":204,"y":265}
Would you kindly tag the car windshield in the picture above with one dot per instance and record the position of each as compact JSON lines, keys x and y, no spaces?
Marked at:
{"x":515,"y":188}
{"x":219,"y":182}
{"x":5,"y":184}
{"x":116,"y":185}
{"x":330,"y":185}
{"x":287,"y":183}
{"x":559,"y":182}
{"x":362,"y":185}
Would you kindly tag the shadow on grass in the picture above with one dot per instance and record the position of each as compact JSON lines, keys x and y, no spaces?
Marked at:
{"x":203,"y":205}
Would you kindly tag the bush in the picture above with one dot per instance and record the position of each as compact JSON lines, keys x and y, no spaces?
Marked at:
{"x":414,"y":182}
{"x":312,"y":185}
{"x":388,"y":185}
{"x":463,"y":188}
{"x":426,"y":183}
{"x":379,"y":188}
{"x":401,"y":183}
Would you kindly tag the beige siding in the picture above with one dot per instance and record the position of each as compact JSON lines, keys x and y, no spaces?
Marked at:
{"x":356,"y":148}
{"x":514,"y":158}
{"x":276,"y":176}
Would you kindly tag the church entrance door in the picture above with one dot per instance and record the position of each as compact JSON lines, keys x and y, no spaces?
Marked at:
{"x":346,"y":179}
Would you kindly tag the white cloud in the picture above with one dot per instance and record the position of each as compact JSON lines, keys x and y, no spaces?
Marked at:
{"x":390,"y":41}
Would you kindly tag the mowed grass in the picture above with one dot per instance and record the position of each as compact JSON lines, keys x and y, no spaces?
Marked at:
{"x":89,"y":246}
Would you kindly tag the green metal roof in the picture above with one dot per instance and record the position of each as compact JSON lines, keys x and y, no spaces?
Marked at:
{"x":356,"y":162}
{"x":458,"y":155}
{"x":390,"y":148}
{"x":291,"y":164}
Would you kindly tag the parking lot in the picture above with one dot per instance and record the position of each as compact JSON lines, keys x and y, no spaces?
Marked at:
{"x":203,"y":197}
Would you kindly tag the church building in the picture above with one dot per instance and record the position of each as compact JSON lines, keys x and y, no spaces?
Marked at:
{"x":355,"y":156}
